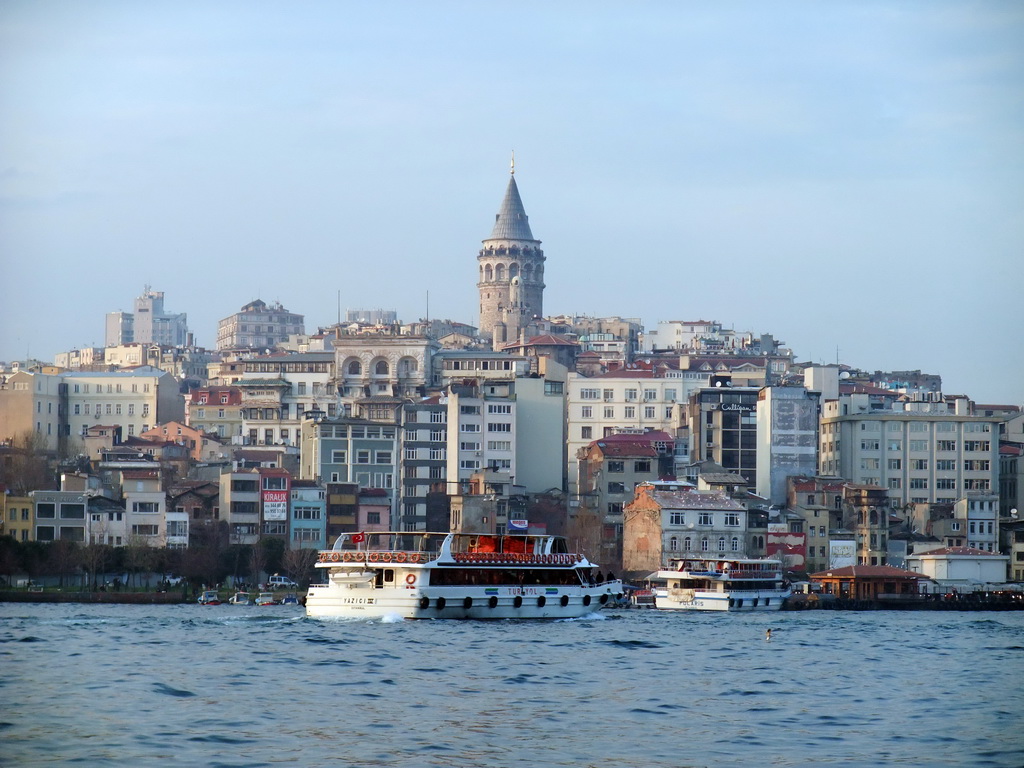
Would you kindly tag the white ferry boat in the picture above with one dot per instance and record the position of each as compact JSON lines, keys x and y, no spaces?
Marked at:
{"x":722,"y":585}
{"x":457,"y":576}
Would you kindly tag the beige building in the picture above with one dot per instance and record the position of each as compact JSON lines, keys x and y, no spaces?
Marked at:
{"x":18,"y":517}
{"x":918,"y":450}
{"x":33,"y":404}
{"x":258,"y":325}
{"x":134,"y":400}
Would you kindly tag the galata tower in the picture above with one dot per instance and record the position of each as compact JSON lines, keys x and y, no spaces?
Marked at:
{"x":511,"y":278}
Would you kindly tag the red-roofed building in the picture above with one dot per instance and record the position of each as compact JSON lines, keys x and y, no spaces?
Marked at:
{"x":870,"y":582}
{"x":609,"y":471}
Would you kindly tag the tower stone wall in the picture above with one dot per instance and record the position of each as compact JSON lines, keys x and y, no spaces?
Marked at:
{"x":511,"y":272}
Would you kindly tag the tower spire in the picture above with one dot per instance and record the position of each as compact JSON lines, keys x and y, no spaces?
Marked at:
{"x":513,"y":169}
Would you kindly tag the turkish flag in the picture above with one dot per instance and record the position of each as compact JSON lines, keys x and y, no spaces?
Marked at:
{"x":358,"y":538}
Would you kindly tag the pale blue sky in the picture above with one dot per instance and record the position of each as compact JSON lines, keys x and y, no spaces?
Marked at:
{"x":839,"y":174}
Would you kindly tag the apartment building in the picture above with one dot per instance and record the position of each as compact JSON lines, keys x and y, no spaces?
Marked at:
{"x":920,"y":451}
{"x":634,"y":399}
{"x":258,"y":325}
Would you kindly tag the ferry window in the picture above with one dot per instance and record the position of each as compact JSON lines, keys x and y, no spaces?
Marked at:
{"x":389,"y":575}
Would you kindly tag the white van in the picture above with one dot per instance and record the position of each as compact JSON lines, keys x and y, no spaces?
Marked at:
{"x":280,"y":582}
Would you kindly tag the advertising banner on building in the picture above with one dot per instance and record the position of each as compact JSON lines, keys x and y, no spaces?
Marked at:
{"x":275,"y":505}
{"x":841,"y":554}
{"x":790,"y":548}
{"x":518,"y":526}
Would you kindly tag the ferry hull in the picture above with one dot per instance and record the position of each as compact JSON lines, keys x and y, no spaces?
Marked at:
{"x":732,"y":602}
{"x":474,"y":603}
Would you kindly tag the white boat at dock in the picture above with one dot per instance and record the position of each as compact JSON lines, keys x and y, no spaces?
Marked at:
{"x":694,"y":584}
{"x":457,"y":576}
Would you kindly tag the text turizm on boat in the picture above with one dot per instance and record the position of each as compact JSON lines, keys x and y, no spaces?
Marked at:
{"x":457,"y":576}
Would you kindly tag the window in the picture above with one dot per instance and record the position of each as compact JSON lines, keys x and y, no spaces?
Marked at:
{"x":650,"y":394}
{"x":977,"y":445}
{"x":362,"y":457}
{"x":145,"y":530}
{"x":895,"y":445}
{"x":721,"y":543}
{"x":976,"y":465}
{"x":609,"y":411}
{"x":589,"y":394}
{"x":469,"y":464}
{"x":632,"y":395}
{"x":642,"y":465}
{"x":498,"y":426}
{"x":945,"y":484}
{"x":275,"y":483}
{"x":704,"y":546}
{"x":586,"y":433}
{"x":869,"y":445}
{"x":339,"y":457}
{"x":616,"y":466}
{"x":945,"y":465}
{"x":917,"y":483}
{"x":615,"y":508}
{"x":587,"y":412}
{"x":499,"y":445}
{"x":732,"y":518}
{"x":704,"y":518}
{"x":145,"y":507}
{"x":469,"y":427}
{"x":918,"y":445}
{"x":919,"y":464}
{"x":677,"y":517}
{"x":895,"y":463}
{"x":630,"y":412}
{"x":466,"y":446}
{"x":383,"y":457}
{"x":945,"y":445}
{"x":649,"y":412}
{"x":499,"y":408}
{"x":438,"y":417}
{"x":616,"y":488}
{"x":869,"y":463}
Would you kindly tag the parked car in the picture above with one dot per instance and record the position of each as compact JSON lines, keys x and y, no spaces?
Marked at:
{"x":281,"y":582}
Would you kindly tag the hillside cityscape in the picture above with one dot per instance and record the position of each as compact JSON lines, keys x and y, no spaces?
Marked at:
{"x":154,"y":453}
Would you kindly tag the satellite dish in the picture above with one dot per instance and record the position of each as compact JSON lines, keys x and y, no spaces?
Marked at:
{"x":844,"y":375}
{"x":1013,"y":512}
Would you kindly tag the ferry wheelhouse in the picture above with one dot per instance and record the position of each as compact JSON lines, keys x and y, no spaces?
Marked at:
{"x":722,"y":585}
{"x":457,"y":576}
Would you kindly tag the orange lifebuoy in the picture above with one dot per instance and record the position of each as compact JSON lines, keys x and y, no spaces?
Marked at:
{"x":401,"y":557}
{"x":335,"y":557}
{"x":385,"y":557}
{"x":410,"y":579}
{"x":347,"y":557}
{"x":374,"y":557}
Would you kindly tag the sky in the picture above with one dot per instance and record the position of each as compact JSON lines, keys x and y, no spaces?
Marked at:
{"x":848,"y":176}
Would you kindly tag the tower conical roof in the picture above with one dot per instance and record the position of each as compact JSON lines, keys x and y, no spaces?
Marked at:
{"x":511,"y":222}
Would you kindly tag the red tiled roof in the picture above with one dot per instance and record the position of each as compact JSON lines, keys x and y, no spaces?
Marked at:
{"x":868,"y":572}
{"x":633,"y":449}
{"x":657,"y":436}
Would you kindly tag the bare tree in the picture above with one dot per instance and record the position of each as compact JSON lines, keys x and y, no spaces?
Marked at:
{"x":138,"y":556}
{"x":30,"y":465}
{"x":299,"y":564}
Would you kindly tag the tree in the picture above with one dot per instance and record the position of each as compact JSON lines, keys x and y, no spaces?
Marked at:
{"x":63,"y":559}
{"x":30,"y":467}
{"x":299,"y":564}
{"x":94,"y":559}
{"x":138,"y":557}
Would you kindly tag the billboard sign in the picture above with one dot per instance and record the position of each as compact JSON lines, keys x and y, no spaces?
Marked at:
{"x":841,"y":554}
{"x":790,"y":548}
{"x":275,"y":505}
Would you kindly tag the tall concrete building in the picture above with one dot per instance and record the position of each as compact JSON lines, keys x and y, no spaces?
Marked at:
{"x":148,"y":324}
{"x":787,"y":438}
{"x":511,"y":264}
{"x":258,"y":324}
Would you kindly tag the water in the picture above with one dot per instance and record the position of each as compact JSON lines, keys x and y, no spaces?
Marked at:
{"x":236,"y":686}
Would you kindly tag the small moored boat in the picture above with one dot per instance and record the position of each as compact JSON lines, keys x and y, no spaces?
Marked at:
{"x":209,"y":597}
{"x":240,"y":598}
{"x":457,"y":576}
{"x":265,"y":598}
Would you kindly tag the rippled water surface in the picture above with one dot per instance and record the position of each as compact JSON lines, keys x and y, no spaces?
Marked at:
{"x":244,"y":686}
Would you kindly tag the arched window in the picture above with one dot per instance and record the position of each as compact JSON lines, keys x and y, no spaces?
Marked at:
{"x":527,"y":272}
{"x":705,"y":545}
{"x":488,"y":274}
{"x":874,"y":517}
{"x":381,"y":368}
{"x":673,"y":544}
{"x":735,"y":543}
{"x":686,"y":544}
{"x":721,"y":543}
{"x":499,"y":273}
{"x":354,"y":368}
{"x":513,"y":270}
{"x":860,"y":518}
